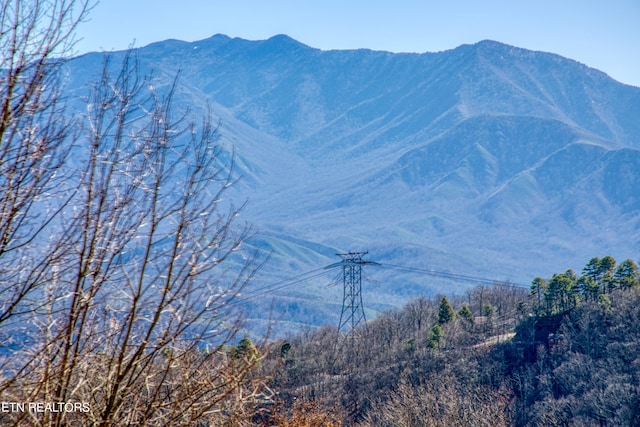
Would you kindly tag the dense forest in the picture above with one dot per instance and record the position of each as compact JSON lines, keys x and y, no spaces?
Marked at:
{"x":566,"y":352}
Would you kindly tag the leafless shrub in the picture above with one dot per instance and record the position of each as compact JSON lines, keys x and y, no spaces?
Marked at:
{"x":439,"y":402}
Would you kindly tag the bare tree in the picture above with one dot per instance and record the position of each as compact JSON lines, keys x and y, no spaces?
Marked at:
{"x":136,"y":321}
{"x":440,"y":401}
{"x":34,"y":37}
{"x":119,"y":250}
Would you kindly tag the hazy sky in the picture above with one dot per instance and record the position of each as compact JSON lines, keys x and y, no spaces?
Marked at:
{"x":601,"y":34}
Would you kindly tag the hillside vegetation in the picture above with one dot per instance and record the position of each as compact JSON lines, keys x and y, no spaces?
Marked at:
{"x":565,"y":352}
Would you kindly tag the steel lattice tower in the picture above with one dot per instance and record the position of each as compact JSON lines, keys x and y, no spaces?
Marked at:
{"x":352,"y":308}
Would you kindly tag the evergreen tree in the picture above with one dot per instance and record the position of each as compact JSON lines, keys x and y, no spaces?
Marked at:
{"x":588,"y":287}
{"x":571,"y":291}
{"x":606,"y":270}
{"x":538,"y":289}
{"x":247,"y":350}
{"x":626,"y":275}
{"x":488,"y":310}
{"x":465,"y":313}
{"x":591,"y":270}
{"x":445,"y":313}
{"x":435,"y":337}
{"x":562,"y":292}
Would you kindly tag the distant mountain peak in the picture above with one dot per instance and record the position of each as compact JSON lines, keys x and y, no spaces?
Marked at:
{"x":283,"y":38}
{"x":488,"y":43}
{"x":220,"y":36}
{"x":283,"y":41}
{"x":489,"y":47}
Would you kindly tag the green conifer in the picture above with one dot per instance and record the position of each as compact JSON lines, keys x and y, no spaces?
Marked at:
{"x":445,"y":313}
{"x":435,"y":338}
{"x":465,"y":313}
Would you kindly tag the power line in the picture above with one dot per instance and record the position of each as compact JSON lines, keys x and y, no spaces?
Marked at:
{"x":283,"y":284}
{"x":356,"y":292}
{"x":453,"y":276}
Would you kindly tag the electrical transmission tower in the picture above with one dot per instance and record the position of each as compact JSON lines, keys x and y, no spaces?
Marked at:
{"x":352,"y":308}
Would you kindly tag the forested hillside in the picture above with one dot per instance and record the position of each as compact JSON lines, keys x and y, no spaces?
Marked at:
{"x":565,"y":352}
{"x":467,"y":161}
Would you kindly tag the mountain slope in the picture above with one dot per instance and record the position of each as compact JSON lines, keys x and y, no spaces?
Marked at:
{"x":485,"y":160}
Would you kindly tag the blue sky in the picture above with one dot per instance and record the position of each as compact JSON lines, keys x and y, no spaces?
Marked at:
{"x":601,"y":34}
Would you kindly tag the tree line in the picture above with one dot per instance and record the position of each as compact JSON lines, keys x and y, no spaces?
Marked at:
{"x":599,"y":278}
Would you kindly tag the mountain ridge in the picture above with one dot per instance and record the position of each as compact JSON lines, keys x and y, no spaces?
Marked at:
{"x":468,"y":160}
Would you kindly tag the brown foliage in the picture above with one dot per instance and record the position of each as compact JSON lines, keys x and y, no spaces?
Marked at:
{"x":440,"y":402}
{"x":305,"y":413}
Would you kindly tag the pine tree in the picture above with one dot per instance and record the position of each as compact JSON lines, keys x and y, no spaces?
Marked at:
{"x":538,"y":289}
{"x":626,"y":275}
{"x":247,"y":350}
{"x":466,"y":314}
{"x":435,"y":337}
{"x":589,"y":288}
{"x":591,"y":270}
{"x":445,"y":313}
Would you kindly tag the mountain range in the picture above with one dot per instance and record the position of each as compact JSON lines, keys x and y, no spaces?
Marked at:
{"x":484,"y":162}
